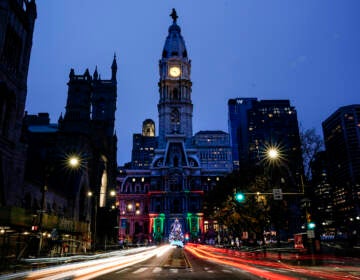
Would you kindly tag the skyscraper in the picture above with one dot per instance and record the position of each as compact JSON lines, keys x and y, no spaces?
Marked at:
{"x":256,"y":126}
{"x":342,"y":142}
{"x":238,"y":128}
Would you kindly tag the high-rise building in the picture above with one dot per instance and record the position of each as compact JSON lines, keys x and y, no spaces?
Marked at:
{"x":321,"y":204}
{"x":16,"y":34}
{"x":255,"y":127}
{"x":342,"y":141}
{"x":238,"y":128}
{"x":172,"y":187}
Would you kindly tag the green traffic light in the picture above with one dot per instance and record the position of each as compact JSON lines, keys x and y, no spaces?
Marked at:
{"x":311,"y":225}
{"x":240,"y":197}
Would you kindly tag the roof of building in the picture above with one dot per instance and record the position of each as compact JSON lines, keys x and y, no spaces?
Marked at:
{"x":174,"y":44}
{"x":51,"y":128}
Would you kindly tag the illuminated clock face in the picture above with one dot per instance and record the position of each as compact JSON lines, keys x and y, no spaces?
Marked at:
{"x":174,"y":71}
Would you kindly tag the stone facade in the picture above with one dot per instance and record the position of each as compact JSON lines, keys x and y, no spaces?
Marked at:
{"x":17,"y":20}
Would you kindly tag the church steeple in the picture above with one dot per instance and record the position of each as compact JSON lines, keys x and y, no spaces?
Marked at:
{"x":96,"y":74}
{"x":114,"y":69}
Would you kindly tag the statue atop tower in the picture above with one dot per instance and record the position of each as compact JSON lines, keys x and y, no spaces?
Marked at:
{"x":174,"y":15}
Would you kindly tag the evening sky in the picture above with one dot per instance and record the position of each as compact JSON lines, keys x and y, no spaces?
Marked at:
{"x":307,"y":51}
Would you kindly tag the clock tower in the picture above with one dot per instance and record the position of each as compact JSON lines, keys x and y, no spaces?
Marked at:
{"x":175,"y":107}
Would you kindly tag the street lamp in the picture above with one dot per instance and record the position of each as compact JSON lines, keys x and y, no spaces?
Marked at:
{"x":42,"y":211}
{"x":273,"y":157}
{"x":273,"y":153}
{"x":78,"y":163}
{"x":74,"y":161}
{"x":90,"y":195}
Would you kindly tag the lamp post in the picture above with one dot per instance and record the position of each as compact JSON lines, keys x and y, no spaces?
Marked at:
{"x":94,"y":223}
{"x":41,"y":214}
{"x":273,"y":155}
{"x":76,"y":162}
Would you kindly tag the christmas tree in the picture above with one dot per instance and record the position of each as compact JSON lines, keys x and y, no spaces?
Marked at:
{"x":176,"y":236}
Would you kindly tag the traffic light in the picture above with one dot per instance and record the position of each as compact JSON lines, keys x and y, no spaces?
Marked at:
{"x":240,"y":197}
{"x":311,"y":225}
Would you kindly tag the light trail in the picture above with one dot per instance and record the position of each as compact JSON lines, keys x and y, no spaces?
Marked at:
{"x":234,"y":263}
{"x":247,"y":261}
{"x":91,"y":269}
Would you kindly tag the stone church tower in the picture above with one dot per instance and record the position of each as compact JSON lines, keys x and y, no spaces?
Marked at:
{"x":87,"y":131}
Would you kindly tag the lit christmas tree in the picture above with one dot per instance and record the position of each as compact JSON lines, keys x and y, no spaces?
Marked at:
{"x":176,"y":236}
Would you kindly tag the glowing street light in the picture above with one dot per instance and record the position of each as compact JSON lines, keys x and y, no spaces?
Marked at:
{"x":273,"y":153}
{"x":74,"y":161}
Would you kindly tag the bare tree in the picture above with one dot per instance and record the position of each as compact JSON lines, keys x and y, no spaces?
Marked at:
{"x":311,"y":144}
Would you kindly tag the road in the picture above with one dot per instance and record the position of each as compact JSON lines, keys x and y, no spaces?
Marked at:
{"x":178,"y":264}
{"x":199,"y":262}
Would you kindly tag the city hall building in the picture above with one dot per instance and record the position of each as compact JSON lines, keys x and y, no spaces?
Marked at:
{"x":169,"y":173}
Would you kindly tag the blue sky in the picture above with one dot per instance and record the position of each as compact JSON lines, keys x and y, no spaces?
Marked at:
{"x":306,"y":51}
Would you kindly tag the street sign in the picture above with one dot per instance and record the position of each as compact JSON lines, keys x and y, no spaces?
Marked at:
{"x":310,"y":233}
{"x":277,"y":193}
